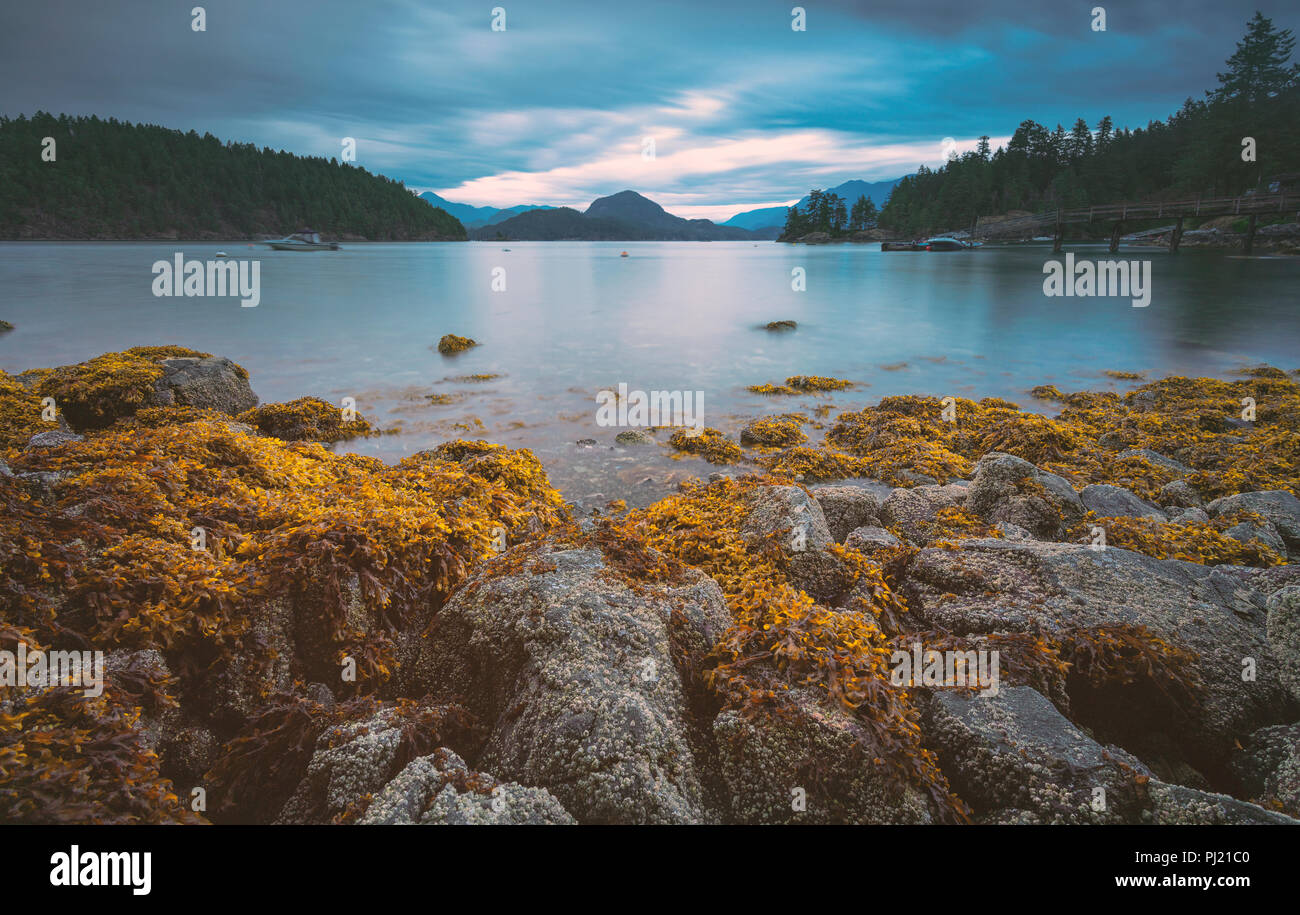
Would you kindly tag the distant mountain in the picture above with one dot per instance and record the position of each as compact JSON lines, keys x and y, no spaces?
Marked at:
{"x":502,"y":215}
{"x":625,"y":216}
{"x":472,"y":217}
{"x":849,"y":192}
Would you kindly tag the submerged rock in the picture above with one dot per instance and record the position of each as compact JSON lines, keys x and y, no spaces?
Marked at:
{"x":634,"y":437}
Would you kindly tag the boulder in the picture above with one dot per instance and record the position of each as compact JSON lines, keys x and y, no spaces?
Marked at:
{"x":1180,"y":494}
{"x":1008,"y":488}
{"x":1191,"y":516}
{"x":440,"y":790}
{"x":809,"y":752}
{"x":1284,"y":634}
{"x":1158,"y":459}
{"x":213,"y":382}
{"x":1263,"y":531}
{"x":1279,"y":506}
{"x":52,"y":439}
{"x":1176,"y":805}
{"x":1015,"y":750}
{"x":912,"y":511}
{"x":871,"y":540}
{"x":847,"y":508}
{"x":793,"y":520}
{"x":1106,"y":501}
{"x":992,"y":585}
{"x":573,"y":672}
{"x":1268,"y":767}
{"x":351,"y":760}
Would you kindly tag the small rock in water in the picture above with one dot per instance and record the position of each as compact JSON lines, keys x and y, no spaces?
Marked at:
{"x":586,"y":443}
{"x":634,"y":437}
{"x":781,"y":325}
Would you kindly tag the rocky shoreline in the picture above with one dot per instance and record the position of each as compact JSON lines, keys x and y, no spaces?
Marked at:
{"x":297,"y":636}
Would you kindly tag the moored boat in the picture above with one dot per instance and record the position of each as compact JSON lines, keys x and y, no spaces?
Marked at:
{"x":946,"y":243}
{"x":303,"y":240}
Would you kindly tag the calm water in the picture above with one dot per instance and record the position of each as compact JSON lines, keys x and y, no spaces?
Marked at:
{"x":575,"y":318}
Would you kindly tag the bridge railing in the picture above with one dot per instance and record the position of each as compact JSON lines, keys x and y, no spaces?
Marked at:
{"x":1200,"y":206}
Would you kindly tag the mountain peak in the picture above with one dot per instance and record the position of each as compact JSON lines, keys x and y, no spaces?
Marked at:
{"x":626,"y":205}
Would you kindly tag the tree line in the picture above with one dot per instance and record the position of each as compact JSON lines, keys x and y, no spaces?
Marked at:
{"x":1200,"y":150}
{"x":109,"y":179}
{"x":826,"y":212}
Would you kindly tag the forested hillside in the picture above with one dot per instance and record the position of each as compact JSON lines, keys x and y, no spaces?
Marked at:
{"x":1197,"y":151}
{"x":111,"y":180}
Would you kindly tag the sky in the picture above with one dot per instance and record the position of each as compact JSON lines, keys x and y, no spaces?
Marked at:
{"x":743,"y":110}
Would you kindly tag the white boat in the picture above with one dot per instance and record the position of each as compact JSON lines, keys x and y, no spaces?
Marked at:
{"x":304,"y":240}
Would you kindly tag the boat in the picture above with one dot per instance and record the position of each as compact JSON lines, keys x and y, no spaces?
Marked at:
{"x":900,"y":246}
{"x":946,"y":243}
{"x":222,"y":254}
{"x":624,"y":254}
{"x":303,"y":240}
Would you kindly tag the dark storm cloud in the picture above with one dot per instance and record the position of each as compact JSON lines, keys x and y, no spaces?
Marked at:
{"x":743,"y":110}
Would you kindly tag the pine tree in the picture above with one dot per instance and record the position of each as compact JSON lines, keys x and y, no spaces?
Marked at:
{"x":1258,"y":69}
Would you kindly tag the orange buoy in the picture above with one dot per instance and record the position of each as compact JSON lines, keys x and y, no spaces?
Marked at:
{"x":624,"y":254}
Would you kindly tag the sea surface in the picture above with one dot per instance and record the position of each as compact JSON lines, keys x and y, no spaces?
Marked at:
{"x":576,"y":317}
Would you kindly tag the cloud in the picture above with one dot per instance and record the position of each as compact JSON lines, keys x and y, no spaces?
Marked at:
{"x":744,"y":112}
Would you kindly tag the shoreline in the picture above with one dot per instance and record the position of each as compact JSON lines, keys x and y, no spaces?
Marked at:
{"x":902,"y":535}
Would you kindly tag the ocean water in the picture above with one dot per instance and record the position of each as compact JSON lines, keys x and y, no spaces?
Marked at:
{"x":576,"y":317}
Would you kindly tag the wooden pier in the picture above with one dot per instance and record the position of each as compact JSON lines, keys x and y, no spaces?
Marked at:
{"x":1250,"y":205}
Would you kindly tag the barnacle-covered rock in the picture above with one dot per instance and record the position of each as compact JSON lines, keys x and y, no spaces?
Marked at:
{"x":786,"y":519}
{"x":1284,"y":634}
{"x":575,"y":675}
{"x":1180,"y":494}
{"x":207,"y":382}
{"x":441,"y":790}
{"x":1210,"y":636}
{"x":1009,"y":488}
{"x":52,"y":439}
{"x":356,"y":758}
{"x":1015,"y":750}
{"x":914,"y":512}
{"x":870,"y":540}
{"x":808,"y":763}
{"x":1116,"y":501}
{"x":1177,"y":805}
{"x":1279,"y":506}
{"x":1267,"y":767}
{"x":847,"y":508}
{"x":93,"y":394}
